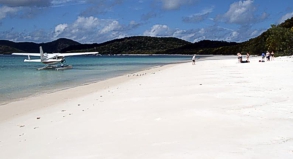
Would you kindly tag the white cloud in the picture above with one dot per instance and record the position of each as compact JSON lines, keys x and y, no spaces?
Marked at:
{"x":114,"y":25}
{"x":285,"y":17}
{"x":242,"y":12}
{"x":38,"y":35}
{"x":90,"y":29}
{"x":185,"y":35}
{"x":158,"y":30}
{"x":83,"y":29}
{"x":213,"y":33}
{"x":175,"y":4}
{"x":207,"y":33}
{"x":4,"y":11}
{"x":59,"y":29}
{"x":86,"y":23}
{"x":234,"y":34}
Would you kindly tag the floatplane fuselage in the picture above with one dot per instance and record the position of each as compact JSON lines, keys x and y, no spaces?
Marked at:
{"x":52,"y":59}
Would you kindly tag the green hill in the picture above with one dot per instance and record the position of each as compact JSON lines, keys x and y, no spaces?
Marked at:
{"x":201,"y":47}
{"x":131,"y":45}
{"x":148,"y":45}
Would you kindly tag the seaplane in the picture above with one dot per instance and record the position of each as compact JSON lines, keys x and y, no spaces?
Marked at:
{"x":51,"y":60}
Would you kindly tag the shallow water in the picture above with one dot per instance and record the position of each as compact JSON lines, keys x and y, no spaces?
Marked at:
{"x":19,"y":79}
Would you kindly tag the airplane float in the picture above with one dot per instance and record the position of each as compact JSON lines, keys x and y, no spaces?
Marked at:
{"x":52,"y":59}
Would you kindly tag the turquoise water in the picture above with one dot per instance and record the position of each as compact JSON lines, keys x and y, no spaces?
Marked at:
{"x":19,"y":79}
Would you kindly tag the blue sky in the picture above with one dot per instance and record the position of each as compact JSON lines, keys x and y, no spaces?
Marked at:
{"x":97,"y":21}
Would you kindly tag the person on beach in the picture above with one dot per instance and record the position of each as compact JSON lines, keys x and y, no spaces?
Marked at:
{"x":268,"y":56}
{"x":239,"y":57}
{"x":263,"y":56}
{"x":193,"y":59}
{"x":272,"y":56}
{"x":247,"y":56}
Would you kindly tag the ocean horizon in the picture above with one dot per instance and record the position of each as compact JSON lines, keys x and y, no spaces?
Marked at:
{"x":20,"y":80}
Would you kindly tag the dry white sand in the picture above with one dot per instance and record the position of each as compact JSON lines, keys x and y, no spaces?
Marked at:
{"x":214,"y":109}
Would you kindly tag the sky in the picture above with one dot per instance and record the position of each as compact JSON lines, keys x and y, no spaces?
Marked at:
{"x":98,"y":21}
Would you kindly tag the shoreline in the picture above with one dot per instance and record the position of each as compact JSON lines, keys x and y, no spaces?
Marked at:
{"x":70,"y":92}
{"x":10,"y":93}
{"x":213,"y":109}
{"x":20,"y":98}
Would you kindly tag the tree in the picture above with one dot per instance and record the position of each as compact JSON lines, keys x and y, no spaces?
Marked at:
{"x":280,"y":40}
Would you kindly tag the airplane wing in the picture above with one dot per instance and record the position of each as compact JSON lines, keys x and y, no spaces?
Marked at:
{"x":27,"y":54}
{"x":77,"y":53}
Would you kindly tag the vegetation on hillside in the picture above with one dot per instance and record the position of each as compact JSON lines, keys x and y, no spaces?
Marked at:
{"x":131,"y":45}
{"x":7,"y":49}
{"x":58,"y":45}
{"x":201,"y":47}
{"x":279,"y":38}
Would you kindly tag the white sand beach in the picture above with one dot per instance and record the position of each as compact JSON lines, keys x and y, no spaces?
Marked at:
{"x":216,"y":109}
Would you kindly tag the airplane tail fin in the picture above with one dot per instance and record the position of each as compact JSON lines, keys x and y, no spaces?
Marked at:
{"x":42,"y":53}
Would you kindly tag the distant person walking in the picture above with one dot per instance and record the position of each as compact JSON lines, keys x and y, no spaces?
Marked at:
{"x":247,"y":56}
{"x":268,"y":56}
{"x":272,"y":56}
{"x":193,"y":59}
{"x":263,"y":56}
{"x":239,"y":57}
